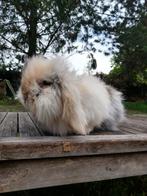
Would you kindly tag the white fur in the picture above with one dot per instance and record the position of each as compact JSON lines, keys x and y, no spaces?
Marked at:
{"x":74,"y":104}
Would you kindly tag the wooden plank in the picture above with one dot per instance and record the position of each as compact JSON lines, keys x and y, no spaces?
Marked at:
{"x":41,"y":130}
{"x":139,"y":127}
{"x":138,"y":123}
{"x":131,"y":125}
{"x":97,"y":131}
{"x":26,"y":126}
{"x":30,"y":174}
{"x":130,"y":129}
{"x":9,"y":125}
{"x":138,"y":116}
{"x":45,"y":147}
{"x":2,"y":116}
{"x":134,"y":126}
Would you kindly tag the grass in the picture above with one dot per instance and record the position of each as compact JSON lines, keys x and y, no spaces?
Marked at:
{"x":136,"y":107}
{"x":10,"y":105}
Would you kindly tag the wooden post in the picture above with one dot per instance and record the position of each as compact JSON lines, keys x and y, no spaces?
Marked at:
{"x":2,"y":88}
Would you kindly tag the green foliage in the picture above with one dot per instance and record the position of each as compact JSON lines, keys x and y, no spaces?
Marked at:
{"x":131,"y":56}
{"x":130,"y":60}
{"x":31,"y":27}
{"x":141,"y":77}
{"x":132,"y":48}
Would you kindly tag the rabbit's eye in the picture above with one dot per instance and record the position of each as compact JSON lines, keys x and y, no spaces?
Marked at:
{"x":45,"y":83}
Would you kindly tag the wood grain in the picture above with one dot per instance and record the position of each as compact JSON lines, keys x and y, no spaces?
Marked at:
{"x":141,"y":125}
{"x":2,"y":116}
{"x":45,"y":147}
{"x":29,"y":174}
{"x":38,"y":126}
{"x":26,"y":126}
{"x":8,"y":126}
{"x":138,"y":116}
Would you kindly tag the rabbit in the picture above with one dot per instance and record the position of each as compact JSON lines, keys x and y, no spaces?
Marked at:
{"x":66,"y":103}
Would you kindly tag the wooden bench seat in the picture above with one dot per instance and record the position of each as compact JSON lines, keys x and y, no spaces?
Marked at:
{"x":30,"y":159}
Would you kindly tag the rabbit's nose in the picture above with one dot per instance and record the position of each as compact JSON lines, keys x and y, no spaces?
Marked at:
{"x":37,"y":94}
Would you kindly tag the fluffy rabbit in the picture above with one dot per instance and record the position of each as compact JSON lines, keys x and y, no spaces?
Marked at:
{"x":65,"y":103}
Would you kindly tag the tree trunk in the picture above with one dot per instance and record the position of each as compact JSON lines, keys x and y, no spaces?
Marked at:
{"x":32,"y":31}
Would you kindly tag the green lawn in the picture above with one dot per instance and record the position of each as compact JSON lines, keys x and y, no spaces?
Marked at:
{"x":10,"y":105}
{"x":137,"y":107}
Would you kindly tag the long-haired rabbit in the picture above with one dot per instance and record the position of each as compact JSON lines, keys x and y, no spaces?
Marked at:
{"x":65,"y":103}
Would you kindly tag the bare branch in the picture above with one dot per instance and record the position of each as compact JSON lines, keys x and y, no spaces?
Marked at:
{"x":16,"y":46}
{"x":51,"y":38}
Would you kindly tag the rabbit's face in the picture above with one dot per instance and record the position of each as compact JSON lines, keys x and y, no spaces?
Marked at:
{"x":40,"y":90}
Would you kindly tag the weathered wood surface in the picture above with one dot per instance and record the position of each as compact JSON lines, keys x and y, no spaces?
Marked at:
{"x":2,"y":116}
{"x":132,"y":137}
{"x":30,"y":159}
{"x":26,"y":125}
{"x":8,"y":126}
{"x":22,"y":175}
{"x":23,"y":144}
{"x":51,"y":147}
{"x":22,"y":124}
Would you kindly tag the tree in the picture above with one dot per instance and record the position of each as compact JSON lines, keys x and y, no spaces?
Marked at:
{"x":32,"y":26}
{"x":130,"y":61}
{"x":131,"y":56}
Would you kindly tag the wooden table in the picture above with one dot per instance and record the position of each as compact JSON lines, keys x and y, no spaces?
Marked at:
{"x":29,"y":159}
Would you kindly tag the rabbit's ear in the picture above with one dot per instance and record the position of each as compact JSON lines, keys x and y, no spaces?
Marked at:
{"x":73,"y":113}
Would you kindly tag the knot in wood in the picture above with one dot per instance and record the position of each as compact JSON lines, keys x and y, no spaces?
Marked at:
{"x":66,"y":147}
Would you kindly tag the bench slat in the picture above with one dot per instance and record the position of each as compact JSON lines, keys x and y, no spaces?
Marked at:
{"x":133,"y":127}
{"x":8,"y":126}
{"x":48,"y":147}
{"x":2,"y":116}
{"x":30,"y":174}
{"x":141,"y":125}
{"x":142,"y":117}
{"x":26,"y":126}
